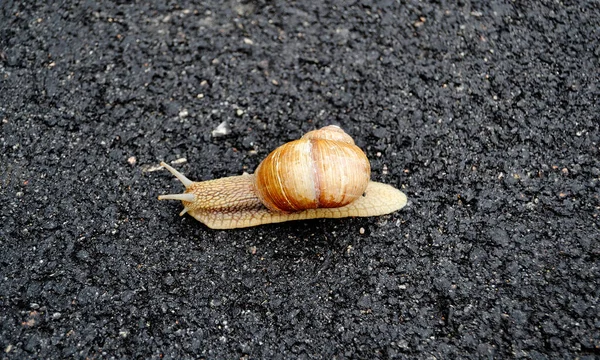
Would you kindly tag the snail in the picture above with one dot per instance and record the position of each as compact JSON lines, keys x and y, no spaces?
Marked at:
{"x":321,"y":175}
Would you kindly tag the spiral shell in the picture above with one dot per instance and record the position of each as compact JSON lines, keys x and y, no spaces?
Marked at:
{"x":323,"y":169}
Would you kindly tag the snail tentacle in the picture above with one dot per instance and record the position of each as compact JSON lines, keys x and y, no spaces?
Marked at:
{"x":184,"y":180}
{"x":185,"y":197}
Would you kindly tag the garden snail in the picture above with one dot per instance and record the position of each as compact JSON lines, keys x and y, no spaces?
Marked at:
{"x":321,"y":175}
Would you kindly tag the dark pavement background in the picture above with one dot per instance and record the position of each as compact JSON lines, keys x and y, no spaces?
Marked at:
{"x":484,"y":113}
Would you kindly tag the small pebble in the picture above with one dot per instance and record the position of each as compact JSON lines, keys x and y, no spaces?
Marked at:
{"x":221,"y":130}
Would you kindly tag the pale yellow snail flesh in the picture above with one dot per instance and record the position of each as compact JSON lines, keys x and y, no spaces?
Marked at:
{"x":334,"y":188}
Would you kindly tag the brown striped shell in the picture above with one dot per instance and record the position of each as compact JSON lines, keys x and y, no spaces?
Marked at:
{"x":323,"y":169}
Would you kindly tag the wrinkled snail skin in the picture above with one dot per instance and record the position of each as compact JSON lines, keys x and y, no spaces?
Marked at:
{"x":230,"y":203}
{"x":238,"y":201}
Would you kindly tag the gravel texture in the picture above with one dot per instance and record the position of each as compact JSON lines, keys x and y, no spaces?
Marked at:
{"x":486,"y":113}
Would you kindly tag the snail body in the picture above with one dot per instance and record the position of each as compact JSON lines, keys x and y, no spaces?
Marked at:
{"x":321,"y":175}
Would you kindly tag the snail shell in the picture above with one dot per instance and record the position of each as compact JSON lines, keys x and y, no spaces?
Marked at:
{"x":323,"y":169}
{"x":321,"y":175}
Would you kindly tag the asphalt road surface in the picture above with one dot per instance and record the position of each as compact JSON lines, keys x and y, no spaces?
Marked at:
{"x":485,"y":113}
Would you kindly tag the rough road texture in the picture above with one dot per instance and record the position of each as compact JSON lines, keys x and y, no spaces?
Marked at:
{"x":484,"y":113}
